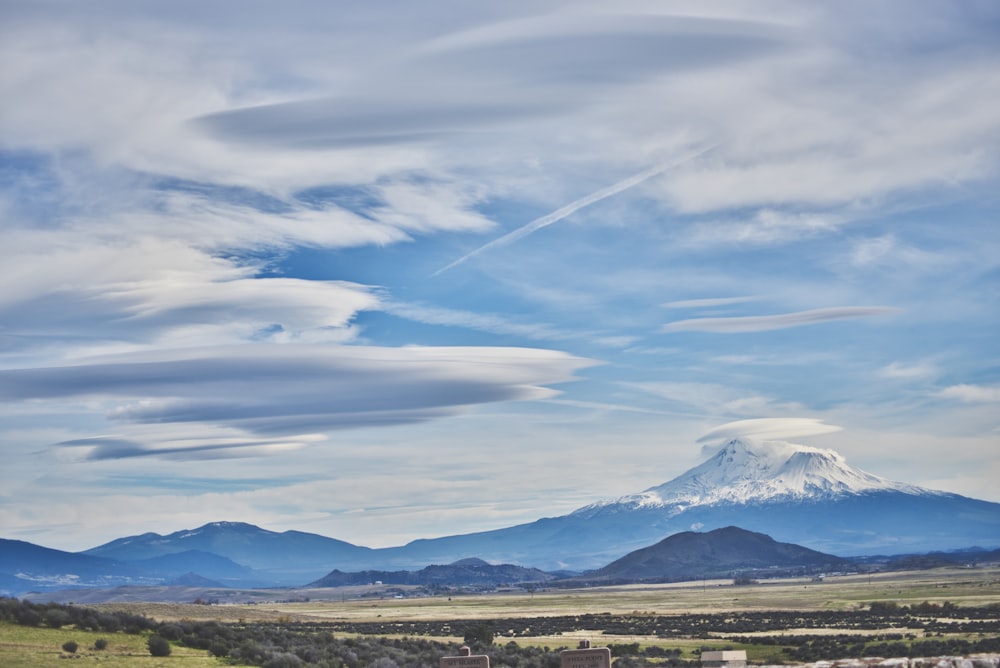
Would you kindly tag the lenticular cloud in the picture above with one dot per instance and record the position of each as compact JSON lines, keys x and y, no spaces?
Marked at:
{"x":767,"y":429}
{"x":294,"y":389}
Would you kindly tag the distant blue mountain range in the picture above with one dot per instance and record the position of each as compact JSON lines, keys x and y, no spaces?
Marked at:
{"x":794,"y":494}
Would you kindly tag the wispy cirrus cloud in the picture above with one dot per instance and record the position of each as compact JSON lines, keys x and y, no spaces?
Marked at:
{"x":716,"y":399}
{"x":903,"y":371}
{"x":710,"y":302}
{"x":485,"y":322}
{"x":763,"y":323}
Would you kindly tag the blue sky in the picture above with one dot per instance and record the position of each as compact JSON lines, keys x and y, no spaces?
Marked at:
{"x":405,"y":270}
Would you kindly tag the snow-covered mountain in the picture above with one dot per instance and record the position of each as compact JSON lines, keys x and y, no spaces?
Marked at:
{"x":743,"y":471}
{"x":794,"y":493}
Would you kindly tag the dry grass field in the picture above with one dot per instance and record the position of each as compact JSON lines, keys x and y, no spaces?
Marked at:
{"x":962,"y":586}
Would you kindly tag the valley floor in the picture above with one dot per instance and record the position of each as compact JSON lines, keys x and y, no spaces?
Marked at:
{"x":776,"y":621}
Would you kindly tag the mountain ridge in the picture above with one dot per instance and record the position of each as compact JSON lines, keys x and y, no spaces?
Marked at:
{"x":793,"y":493}
{"x":464,"y":572}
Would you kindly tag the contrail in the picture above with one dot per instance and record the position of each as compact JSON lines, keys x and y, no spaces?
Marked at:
{"x":576,"y":205}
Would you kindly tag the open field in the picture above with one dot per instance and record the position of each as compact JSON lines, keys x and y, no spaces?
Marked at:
{"x":773,"y":621}
{"x":31,"y":647}
{"x":963,"y":586}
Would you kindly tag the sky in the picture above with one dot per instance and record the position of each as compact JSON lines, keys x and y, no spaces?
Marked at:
{"x":394,"y":270}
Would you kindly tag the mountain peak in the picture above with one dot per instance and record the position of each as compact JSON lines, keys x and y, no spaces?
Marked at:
{"x":744,"y":470}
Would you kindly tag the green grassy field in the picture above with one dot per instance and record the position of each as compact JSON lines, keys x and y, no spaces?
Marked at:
{"x":31,"y":647}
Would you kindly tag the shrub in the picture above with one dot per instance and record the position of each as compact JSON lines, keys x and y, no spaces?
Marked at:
{"x":70,"y":646}
{"x":158,"y":645}
{"x":100,"y":643}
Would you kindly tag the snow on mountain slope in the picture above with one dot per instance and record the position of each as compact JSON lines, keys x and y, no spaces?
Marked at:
{"x":746,"y":471}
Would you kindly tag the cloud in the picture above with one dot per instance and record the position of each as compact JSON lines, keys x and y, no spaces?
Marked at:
{"x":713,"y":399}
{"x":763,"y":323}
{"x":288,"y":390}
{"x":972,"y":394}
{"x":486,"y":322}
{"x":709,"y":302}
{"x":899,"y":370}
{"x":769,"y":429}
{"x":766,"y":227}
{"x":497,"y":75}
{"x":101,"y":448}
{"x":133,"y":291}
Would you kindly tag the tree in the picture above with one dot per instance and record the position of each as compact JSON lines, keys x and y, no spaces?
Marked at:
{"x":158,"y":645}
{"x":57,"y":618}
{"x":479,"y":635}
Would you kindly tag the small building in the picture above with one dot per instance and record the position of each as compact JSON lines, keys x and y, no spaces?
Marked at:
{"x":724,"y":659}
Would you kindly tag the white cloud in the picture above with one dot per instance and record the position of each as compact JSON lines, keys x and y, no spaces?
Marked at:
{"x":765,"y":227}
{"x":710,"y":302}
{"x":281,"y":391}
{"x":971,"y":393}
{"x":143,"y":291}
{"x":888,"y":252}
{"x":899,"y":370}
{"x":762,"y":323}
{"x":769,"y":429}
{"x":486,"y":322}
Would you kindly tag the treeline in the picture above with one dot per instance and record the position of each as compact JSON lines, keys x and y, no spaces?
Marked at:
{"x":56,"y":616}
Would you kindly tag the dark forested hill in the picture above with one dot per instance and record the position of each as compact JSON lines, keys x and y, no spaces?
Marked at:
{"x":719,"y":553}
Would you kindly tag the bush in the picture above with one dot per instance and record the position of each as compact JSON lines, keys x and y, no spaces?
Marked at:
{"x":158,"y":645}
{"x":70,"y":646}
{"x":100,"y":643}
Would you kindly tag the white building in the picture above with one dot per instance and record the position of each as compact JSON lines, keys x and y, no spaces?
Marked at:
{"x":724,"y":659}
